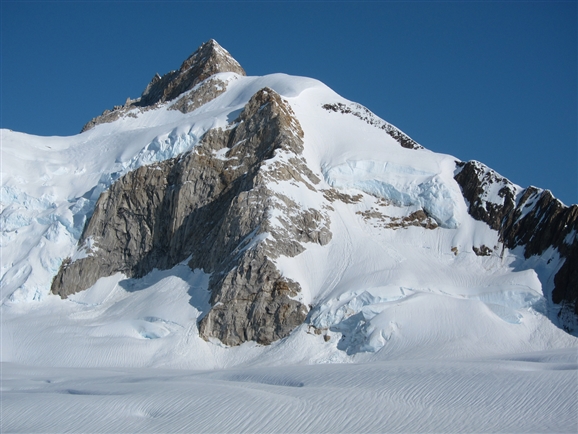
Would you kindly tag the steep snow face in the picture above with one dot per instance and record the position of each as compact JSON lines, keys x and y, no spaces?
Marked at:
{"x":389,"y":277}
{"x":400,"y":278}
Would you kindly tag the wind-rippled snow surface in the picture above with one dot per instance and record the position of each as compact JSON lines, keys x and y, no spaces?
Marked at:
{"x":533,"y":393}
{"x":409,"y":329}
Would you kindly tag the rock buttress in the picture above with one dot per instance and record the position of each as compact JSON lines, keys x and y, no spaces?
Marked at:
{"x":213,"y":205}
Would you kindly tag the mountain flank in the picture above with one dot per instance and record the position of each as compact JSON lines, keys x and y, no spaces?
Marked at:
{"x":533,"y":219}
{"x":214,"y":206}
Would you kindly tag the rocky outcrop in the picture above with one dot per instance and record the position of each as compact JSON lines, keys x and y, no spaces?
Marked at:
{"x":417,"y":218}
{"x":531,"y":218}
{"x":214,"y":206}
{"x":118,"y":111}
{"x":491,"y":197}
{"x":192,"y":81}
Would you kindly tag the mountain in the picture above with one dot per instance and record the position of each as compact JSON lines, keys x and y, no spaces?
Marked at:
{"x":222,"y":220}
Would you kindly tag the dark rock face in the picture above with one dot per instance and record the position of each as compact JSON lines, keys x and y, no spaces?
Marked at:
{"x":482,"y":250}
{"x":209,"y":59}
{"x":477,"y":181}
{"x":213,"y":205}
{"x":533,"y":219}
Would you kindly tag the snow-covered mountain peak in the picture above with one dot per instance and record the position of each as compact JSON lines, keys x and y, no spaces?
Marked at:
{"x":225,"y":209}
{"x":254,"y":228}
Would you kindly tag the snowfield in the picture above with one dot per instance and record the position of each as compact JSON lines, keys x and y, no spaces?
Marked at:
{"x":409,"y":329}
{"x":525,"y":393}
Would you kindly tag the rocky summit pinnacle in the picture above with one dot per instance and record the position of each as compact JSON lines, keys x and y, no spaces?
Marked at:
{"x":209,"y":59}
{"x":196,"y":71}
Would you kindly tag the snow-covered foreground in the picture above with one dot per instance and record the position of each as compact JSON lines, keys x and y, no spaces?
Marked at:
{"x":125,"y":356}
{"x":533,"y":392}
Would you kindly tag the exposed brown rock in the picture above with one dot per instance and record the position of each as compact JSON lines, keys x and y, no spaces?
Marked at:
{"x":333,"y":194}
{"x":209,"y":59}
{"x":200,"y":95}
{"x":213,"y":207}
{"x":417,"y":218}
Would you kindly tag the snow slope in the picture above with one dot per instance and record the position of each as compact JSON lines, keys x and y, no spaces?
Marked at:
{"x":421,"y":333}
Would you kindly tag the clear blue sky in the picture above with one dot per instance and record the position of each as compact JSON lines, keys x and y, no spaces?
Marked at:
{"x":490,"y":81}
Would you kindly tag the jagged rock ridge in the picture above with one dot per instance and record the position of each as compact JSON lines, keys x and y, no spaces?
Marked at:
{"x":532,"y":218}
{"x":209,"y":59}
{"x":365,"y":115}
